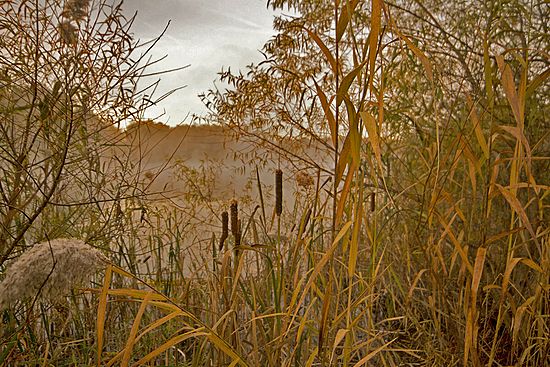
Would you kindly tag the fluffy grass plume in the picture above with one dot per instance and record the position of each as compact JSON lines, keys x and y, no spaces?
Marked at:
{"x":50,"y":269}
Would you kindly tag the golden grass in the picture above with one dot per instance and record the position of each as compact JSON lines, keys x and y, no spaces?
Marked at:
{"x":431,"y":247}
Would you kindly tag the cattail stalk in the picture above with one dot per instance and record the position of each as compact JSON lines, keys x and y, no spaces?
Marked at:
{"x":225,"y":229}
{"x":238,"y":239}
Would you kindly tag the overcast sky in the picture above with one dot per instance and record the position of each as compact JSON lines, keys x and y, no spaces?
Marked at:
{"x":208,"y":35}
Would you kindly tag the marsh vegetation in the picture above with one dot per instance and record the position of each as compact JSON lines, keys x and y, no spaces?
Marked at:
{"x":375,"y":192}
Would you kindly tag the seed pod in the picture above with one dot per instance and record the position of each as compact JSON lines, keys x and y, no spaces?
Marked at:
{"x":278,"y":192}
{"x":225,"y":229}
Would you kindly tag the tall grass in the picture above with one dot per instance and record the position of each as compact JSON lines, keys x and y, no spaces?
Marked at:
{"x":420,"y":243}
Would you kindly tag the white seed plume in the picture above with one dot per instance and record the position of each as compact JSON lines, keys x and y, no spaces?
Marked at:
{"x":50,"y":269}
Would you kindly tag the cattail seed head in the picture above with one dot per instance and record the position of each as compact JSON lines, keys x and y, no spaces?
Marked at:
{"x":372,"y":202}
{"x":234,"y":216}
{"x":278,"y":192}
{"x":50,"y":269}
{"x":225,"y":229}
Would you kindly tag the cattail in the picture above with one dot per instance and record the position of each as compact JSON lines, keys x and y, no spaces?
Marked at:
{"x":372,"y":202}
{"x":278,"y":192}
{"x":50,"y":269}
{"x":225,"y":228}
{"x":234,"y":214}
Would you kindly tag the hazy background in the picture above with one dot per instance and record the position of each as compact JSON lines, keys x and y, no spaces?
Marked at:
{"x":208,"y":35}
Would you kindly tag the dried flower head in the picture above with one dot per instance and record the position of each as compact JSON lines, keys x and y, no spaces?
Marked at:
{"x":304,"y":180}
{"x":68,"y":33}
{"x":76,"y":9}
{"x":50,"y":269}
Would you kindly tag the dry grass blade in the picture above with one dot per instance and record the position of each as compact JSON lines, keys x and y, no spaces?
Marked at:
{"x":418,"y":53}
{"x":102,"y":312}
{"x":171,"y":342}
{"x":323,"y":324}
{"x":470,"y":341}
{"x":342,"y":200}
{"x":319,"y":267}
{"x":149,"y":328}
{"x":133,"y":332}
{"x":354,"y":243}
{"x":518,"y":208}
{"x":477,"y":128}
{"x":363,"y":361}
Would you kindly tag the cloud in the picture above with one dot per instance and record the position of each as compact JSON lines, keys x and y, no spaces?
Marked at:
{"x":208,"y":35}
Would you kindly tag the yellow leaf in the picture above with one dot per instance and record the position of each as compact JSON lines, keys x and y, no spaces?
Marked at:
{"x":533,"y":265}
{"x":458,"y":246}
{"x":345,"y":192}
{"x":507,"y":81}
{"x":517,"y":133}
{"x":477,"y":128}
{"x":344,"y":18}
{"x":421,"y":56}
{"x":346,"y":83}
{"x":135,"y":293}
{"x":324,"y":50}
{"x":312,"y":357}
{"x":328,"y":113}
{"x":324,"y":314}
{"x":518,"y":208}
{"x":340,"y":334}
{"x":374,"y":138}
{"x":343,"y":158}
{"x":375,"y":24}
